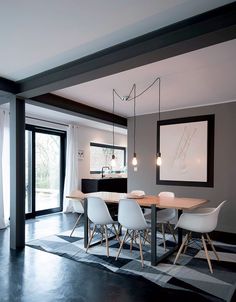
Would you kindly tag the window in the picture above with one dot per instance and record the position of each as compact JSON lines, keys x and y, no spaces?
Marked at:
{"x":100,"y":155}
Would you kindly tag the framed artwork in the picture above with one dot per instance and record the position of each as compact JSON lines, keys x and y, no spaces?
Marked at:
{"x":187,"y":151}
{"x":80,"y":154}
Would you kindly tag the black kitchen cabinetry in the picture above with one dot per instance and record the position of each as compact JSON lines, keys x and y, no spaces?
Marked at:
{"x":104,"y":184}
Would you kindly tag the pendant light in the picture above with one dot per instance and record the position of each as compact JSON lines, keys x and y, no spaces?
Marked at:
{"x":134,"y":160}
{"x":158,"y":156}
{"x":113,"y":158}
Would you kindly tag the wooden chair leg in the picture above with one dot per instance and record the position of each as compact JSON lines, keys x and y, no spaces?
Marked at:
{"x":212,"y":246}
{"x":172,"y":231}
{"x":180,"y":249}
{"x":119,"y":230}
{"x":89,"y":230}
{"x":116,"y":233}
{"x":90,"y":239}
{"x":186,"y":244}
{"x":77,"y":221}
{"x":163,"y":234}
{"x":107,"y":244}
{"x":207,"y":255}
{"x":140,"y":248}
{"x":122,"y":242}
{"x":102,"y":234}
{"x":131,"y":242}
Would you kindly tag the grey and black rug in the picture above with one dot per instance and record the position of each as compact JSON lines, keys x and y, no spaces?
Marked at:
{"x":190,"y":274}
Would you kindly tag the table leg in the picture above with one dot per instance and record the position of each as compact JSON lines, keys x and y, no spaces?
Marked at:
{"x":153,"y":235}
{"x":85,"y":222}
{"x":180,"y":232}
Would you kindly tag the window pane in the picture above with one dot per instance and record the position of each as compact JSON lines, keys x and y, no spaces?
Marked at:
{"x":101,"y":156}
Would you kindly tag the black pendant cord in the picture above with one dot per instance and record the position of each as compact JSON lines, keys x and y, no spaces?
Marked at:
{"x":113,"y":124}
{"x":159,"y":93}
{"x":134,"y":86}
{"x":159,"y":117}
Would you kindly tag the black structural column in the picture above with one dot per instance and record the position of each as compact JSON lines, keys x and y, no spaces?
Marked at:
{"x":17,"y":173}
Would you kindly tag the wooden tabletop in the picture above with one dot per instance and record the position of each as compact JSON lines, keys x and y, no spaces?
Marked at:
{"x":148,"y":200}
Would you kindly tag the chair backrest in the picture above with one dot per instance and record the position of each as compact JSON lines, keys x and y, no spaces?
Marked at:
{"x":166,"y":194}
{"x":170,"y":213}
{"x":98,"y":212}
{"x":137,"y":192}
{"x":130,"y":215}
{"x":202,"y":222}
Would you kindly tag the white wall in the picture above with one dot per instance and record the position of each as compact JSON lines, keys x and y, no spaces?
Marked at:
{"x":87,"y":135}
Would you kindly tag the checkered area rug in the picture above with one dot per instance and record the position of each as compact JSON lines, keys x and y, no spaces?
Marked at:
{"x":191,"y":273}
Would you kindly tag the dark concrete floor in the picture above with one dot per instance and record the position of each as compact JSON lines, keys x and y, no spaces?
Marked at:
{"x":33,"y":275}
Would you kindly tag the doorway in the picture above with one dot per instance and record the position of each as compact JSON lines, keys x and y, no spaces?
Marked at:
{"x":44,"y":170}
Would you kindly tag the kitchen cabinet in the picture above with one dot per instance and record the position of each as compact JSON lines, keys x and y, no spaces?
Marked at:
{"x":90,"y":185}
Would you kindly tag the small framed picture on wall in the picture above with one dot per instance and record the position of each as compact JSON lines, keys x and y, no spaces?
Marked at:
{"x":80,"y":154}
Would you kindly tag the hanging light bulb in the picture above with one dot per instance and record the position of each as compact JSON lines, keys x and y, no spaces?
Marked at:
{"x":113,"y":158}
{"x":159,"y":160}
{"x":134,"y":160}
{"x":158,"y":157}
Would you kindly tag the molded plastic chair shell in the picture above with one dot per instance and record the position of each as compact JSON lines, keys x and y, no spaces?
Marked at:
{"x":138,"y":192}
{"x":202,"y":220}
{"x":166,"y":194}
{"x":98,"y":212}
{"x":130,"y":215}
{"x":165,"y":215}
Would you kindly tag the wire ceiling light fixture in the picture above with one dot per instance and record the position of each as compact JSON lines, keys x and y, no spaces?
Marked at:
{"x":129,"y":98}
{"x":113,"y":158}
{"x":158,"y":157}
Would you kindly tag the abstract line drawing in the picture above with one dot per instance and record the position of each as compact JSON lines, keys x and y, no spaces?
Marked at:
{"x":183,"y":147}
{"x":187,"y":149}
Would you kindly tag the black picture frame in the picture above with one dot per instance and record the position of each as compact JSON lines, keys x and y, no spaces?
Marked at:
{"x":210,"y":129}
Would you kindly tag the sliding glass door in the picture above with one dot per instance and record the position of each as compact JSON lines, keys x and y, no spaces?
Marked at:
{"x":45,"y":166}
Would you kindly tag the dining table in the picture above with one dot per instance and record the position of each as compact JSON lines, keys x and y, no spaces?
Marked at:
{"x":154,"y":202}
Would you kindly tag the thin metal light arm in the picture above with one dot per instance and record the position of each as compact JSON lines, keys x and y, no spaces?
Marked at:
{"x":113,"y":124}
{"x":158,"y":156}
{"x":141,"y":93}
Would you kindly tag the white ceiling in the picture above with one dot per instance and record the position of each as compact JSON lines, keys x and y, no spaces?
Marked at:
{"x":64,"y":118}
{"x":38,"y":35}
{"x":205,"y":76}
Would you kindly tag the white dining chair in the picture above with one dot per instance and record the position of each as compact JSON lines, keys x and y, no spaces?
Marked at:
{"x":78,"y":206}
{"x":204,"y":221}
{"x":131,"y":217}
{"x":99,"y":215}
{"x":164,"y":217}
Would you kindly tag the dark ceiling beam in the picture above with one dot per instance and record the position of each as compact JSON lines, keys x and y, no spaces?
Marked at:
{"x":68,"y":106}
{"x":203,"y":30}
{"x":8,"y":85}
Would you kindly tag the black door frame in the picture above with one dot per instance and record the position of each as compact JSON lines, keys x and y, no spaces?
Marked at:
{"x":62,"y":134}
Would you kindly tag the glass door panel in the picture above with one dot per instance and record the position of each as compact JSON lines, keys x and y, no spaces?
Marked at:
{"x":28,"y":172}
{"x":44,"y":170}
{"x":47,"y":172}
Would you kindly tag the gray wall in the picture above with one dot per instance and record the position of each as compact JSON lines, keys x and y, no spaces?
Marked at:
{"x":224,"y":163}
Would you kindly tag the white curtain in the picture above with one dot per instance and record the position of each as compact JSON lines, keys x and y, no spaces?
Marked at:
{"x":72,"y":173}
{"x":4,"y":169}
